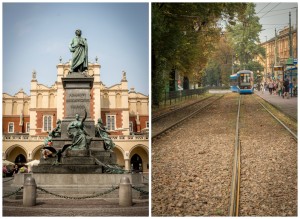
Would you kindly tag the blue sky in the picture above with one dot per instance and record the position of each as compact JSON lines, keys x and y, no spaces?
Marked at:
{"x":275,"y":15}
{"x":35,"y":35}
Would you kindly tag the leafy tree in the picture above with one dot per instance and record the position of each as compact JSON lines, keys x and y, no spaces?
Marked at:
{"x":244,"y":37}
{"x":183,"y":36}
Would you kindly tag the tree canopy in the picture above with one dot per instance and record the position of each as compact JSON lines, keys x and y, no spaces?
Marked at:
{"x":184,"y":36}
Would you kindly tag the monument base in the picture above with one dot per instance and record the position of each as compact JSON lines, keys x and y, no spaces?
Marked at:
{"x":79,"y":185}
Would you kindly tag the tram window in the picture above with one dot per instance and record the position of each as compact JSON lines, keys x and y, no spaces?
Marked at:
{"x":245,"y":79}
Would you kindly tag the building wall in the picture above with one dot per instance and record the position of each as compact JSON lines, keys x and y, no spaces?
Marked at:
{"x":283,"y":50}
{"x":49,"y":101}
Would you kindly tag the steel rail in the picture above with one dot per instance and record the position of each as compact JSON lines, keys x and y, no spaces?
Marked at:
{"x":278,"y":120}
{"x":154,"y":119}
{"x":185,"y":118}
{"x":235,"y":185}
{"x":235,"y":182}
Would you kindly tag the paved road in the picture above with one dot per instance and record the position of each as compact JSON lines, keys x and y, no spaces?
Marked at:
{"x":287,"y":106}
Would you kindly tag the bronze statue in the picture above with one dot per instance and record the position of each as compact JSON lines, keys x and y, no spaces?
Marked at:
{"x":76,"y":131}
{"x":79,"y":48}
{"x":56,"y":132}
{"x":101,"y":132}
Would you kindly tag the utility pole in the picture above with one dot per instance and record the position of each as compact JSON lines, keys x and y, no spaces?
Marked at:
{"x":275,"y":50}
{"x":290,"y":36}
{"x":297,"y":32}
{"x":266,"y":57}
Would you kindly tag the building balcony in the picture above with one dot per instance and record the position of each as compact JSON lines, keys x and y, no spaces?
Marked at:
{"x":116,"y":138}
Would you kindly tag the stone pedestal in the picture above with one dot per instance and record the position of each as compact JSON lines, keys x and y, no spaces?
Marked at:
{"x":77,"y":89}
{"x":93,"y":159}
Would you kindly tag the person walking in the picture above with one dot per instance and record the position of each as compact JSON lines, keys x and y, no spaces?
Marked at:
{"x":262,"y":88}
{"x":286,"y":84}
{"x":279,"y":88}
{"x":291,"y":86}
{"x":270,"y":85}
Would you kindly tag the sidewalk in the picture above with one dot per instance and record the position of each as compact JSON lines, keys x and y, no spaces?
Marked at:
{"x":287,"y":106}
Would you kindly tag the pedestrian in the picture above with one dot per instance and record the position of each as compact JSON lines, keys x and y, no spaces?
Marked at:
{"x":275,"y":88}
{"x":4,"y":170}
{"x":279,"y":88}
{"x":291,"y":86}
{"x":270,"y":85}
{"x":286,"y":84}
{"x":262,"y":87}
{"x":15,"y":170}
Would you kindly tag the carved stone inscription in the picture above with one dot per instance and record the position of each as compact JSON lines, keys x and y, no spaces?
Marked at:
{"x":76,"y":101}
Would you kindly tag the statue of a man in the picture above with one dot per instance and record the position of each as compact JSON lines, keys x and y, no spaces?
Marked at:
{"x":100,"y":131}
{"x":56,"y":132}
{"x":78,"y":46}
{"x":76,"y":131}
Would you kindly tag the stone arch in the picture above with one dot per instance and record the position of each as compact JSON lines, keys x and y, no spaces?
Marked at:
{"x":141,"y":152}
{"x":14,"y":151}
{"x":119,"y":152}
{"x":35,"y":154}
{"x":139,"y":145}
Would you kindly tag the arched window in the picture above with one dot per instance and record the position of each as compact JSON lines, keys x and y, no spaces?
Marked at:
{"x":3,"y":107}
{"x":118,"y":100}
{"x":39,"y":100}
{"x":15,"y":108}
{"x":139,"y":107}
{"x":11,"y":127}
{"x":26,"y":108}
{"x":136,"y":163}
{"x":47,"y":124}
{"x":111,"y":122}
{"x":105,"y":100}
{"x":51,"y":101}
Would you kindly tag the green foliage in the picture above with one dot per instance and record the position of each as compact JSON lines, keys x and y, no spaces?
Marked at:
{"x":212,"y":73}
{"x":244,"y":37}
{"x":257,"y":68}
{"x":184,"y":36}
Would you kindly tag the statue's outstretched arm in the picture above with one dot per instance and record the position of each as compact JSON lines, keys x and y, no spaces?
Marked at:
{"x":85,"y":115}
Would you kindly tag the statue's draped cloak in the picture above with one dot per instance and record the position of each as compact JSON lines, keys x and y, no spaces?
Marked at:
{"x":79,"y":48}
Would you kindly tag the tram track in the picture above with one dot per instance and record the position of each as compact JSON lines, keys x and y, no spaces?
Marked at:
{"x":192,"y":172}
{"x":166,"y":122}
{"x":165,"y":114}
{"x":236,"y":177}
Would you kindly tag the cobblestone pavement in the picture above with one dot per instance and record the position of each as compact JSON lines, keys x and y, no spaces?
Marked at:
{"x":63,"y":207}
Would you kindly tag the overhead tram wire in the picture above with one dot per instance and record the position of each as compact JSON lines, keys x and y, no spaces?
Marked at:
{"x":270,"y":10}
{"x":263,"y":8}
{"x":278,"y":10}
{"x":277,"y":14}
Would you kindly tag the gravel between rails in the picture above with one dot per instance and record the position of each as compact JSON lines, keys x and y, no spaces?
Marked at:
{"x":268,"y":164}
{"x":192,"y":165}
{"x":172,"y":118}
